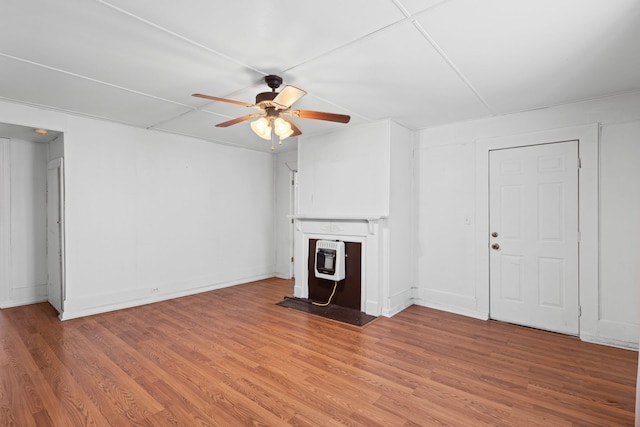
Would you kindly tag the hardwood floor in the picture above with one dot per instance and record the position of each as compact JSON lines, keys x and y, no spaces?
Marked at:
{"x":232,"y":357}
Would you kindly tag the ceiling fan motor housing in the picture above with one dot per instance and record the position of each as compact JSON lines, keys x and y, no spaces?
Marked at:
{"x":265,"y":96}
{"x":273,"y":81}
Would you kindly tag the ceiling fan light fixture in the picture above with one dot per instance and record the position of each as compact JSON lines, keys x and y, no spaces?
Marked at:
{"x":282,"y":128}
{"x":269,"y":122}
{"x":262,"y":128}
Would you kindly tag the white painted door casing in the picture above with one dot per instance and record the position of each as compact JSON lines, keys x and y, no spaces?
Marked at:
{"x":55,"y":247}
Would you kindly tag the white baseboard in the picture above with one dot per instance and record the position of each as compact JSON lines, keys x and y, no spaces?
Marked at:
{"x":456,"y":310}
{"x":398,"y":302}
{"x":611,"y":342}
{"x":88,"y":307}
{"x":25,"y":295}
{"x":22,"y":301}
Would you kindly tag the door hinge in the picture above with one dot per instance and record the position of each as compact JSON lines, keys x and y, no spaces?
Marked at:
{"x":291,"y":220}
{"x":579,"y":163}
{"x":291,"y":259}
{"x":579,"y":311}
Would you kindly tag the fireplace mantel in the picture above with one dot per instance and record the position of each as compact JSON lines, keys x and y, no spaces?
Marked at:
{"x":370,"y":220}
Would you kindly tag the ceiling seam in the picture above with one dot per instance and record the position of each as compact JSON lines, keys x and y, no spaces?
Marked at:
{"x":179,"y":36}
{"x":448,"y":60}
{"x":343,"y":46}
{"x":188,"y":41}
{"x":71,"y":112}
{"x":121,"y":122}
{"x":69,"y":73}
{"x":350,"y":43}
{"x":403,"y":10}
{"x":409,"y":14}
{"x":185,"y":113}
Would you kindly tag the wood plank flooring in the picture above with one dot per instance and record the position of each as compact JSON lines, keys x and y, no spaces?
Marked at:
{"x":232,"y":357}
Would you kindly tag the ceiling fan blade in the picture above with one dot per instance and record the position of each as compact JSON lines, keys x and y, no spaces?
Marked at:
{"x":237,"y":120}
{"x":215,"y":98}
{"x":318,"y":115}
{"x":288,"y":96}
{"x":295,"y":129}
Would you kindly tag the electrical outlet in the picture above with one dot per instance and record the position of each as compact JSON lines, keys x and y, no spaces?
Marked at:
{"x":155,"y":290}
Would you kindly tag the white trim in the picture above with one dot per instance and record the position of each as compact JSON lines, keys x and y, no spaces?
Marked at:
{"x":397,"y":303}
{"x":451,"y":309}
{"x":106,"y":302}
{"x":5,"y":221}
{"x":588,"y":211}
{"x":293,"y":201}
{"x":59,"y":164}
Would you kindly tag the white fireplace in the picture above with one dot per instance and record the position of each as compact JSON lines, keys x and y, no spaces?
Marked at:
{"x":369,"y":232}
{"x":355,"y":185}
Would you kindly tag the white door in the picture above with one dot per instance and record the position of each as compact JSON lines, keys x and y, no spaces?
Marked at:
{"x":533,"y":222}
{"x":54,"y":234}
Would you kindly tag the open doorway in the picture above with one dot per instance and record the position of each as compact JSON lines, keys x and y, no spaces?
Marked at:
{"x":24,"y":157}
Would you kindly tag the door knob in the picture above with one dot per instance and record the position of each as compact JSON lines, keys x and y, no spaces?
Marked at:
{"x":495,"y":246}
{"x":494,"y":234}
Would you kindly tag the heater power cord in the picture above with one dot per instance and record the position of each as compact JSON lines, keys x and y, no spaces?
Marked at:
{"x":319,"y":304}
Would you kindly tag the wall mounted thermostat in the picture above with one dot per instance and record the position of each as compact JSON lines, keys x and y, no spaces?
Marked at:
{"x":329,"y":260}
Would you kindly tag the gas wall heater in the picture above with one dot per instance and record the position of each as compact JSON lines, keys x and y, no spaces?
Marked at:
{"x":330,"y":260}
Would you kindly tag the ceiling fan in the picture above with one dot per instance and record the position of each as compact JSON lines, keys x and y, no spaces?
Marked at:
{"x":275,"y":111}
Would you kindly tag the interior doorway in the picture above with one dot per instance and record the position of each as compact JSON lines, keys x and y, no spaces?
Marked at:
{"x":534,"y":236}
{"x":25,"y":153}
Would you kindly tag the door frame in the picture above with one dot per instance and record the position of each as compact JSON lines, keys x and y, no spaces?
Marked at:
{"x":59,"y":164}
{"x":5,"y":219}
{"x":588,"y":138}
{"x":569,"y":323}
{"x":293,"y":210}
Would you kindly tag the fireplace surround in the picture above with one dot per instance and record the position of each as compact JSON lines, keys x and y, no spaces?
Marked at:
{"x":369,"y":232}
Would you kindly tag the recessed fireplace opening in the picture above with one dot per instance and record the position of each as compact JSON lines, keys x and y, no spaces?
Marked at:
{"x":349,"y":290}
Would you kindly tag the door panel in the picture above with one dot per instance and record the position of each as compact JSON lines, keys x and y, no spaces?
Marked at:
{"x":533,"y":218}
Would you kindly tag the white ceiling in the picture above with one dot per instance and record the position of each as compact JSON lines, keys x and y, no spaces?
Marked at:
{"x":421,"y":63}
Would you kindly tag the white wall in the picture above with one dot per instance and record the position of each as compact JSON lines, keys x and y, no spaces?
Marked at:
{"x":345,"y":173}
{"x":400,"y":220}
{"x":446,"y":163}
{"x":56,"y":148}
{"x":620,"y":228}
{"x":26,"y":270}
{"x":445,"y":183}
{"x":148,"y":210}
